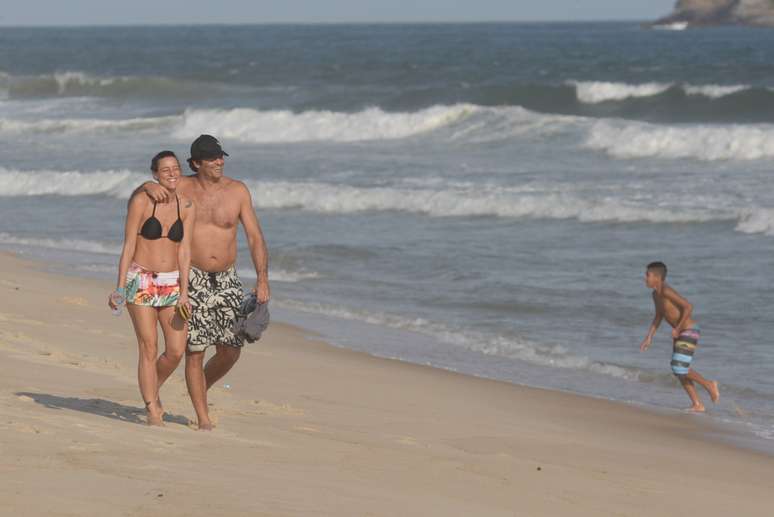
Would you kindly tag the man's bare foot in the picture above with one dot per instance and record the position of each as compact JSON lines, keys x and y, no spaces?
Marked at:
{"x":714,"y":391}
{"x":205,"y":426}
{"x":695,"y":409}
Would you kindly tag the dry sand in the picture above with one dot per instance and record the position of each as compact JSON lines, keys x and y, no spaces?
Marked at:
{"x":310,"y":429}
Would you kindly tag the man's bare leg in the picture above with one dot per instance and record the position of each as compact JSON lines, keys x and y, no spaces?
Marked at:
{"x":689,"y":388}
{"x":194,"y":379}
{"x":145,"y":320}
{"x":710,"y":386}
{"x":219,"y":364}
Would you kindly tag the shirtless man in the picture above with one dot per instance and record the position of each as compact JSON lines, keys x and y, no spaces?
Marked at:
{"x":215,"y":291}
{"x":685,"y":334}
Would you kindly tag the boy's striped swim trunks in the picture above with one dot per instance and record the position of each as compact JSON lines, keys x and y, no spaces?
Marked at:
{"x":683,"y":350}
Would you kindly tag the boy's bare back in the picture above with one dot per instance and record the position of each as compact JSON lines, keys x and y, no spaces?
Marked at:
{"x":671,"y":305}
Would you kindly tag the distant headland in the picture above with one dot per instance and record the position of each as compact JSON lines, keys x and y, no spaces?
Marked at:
{"x":698,"y":13}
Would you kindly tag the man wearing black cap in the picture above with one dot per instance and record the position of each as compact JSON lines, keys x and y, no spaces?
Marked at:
{"x":215,"y":291}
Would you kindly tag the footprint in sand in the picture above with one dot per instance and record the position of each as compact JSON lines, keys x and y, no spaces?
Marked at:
{"x":74,"y":300}
{"x":307,"y":428}
{"x":16,"y":318}
{"x":264,"y":407}
{"x":86,"y":447}
{"x":24,"y":428}
{"x":407,"y":440}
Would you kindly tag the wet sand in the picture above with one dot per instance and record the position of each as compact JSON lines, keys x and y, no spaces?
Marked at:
{"x":306,"y":428}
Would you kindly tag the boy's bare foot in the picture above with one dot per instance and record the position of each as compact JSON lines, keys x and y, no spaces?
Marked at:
{"x":714,"y":391}
{"x":695,"y":409}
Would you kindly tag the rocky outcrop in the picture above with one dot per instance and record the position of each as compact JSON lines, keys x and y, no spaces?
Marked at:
{"x":722,"y":12}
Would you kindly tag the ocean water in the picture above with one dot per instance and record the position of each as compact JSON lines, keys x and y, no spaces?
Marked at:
{"x":482,"y":198}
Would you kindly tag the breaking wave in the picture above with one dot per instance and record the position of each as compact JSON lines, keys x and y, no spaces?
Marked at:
{"x":81,"y":84}
{"x":700,"y":142}
{"x":249,"y":125}
{"x":593,"y":92}
{"x":84,"y":125}
{"x":119,"y":184}
{"x":474,"y":201}
{"x":754,"y":221}
{"x":441,"y":200}
{"x":459,"y":123}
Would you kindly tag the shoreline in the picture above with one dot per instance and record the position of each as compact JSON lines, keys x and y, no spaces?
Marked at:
{"x":729,"y":432}
{"x":308,"y":428}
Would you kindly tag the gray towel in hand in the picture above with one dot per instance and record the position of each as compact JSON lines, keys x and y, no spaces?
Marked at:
{"x":252,"y":320}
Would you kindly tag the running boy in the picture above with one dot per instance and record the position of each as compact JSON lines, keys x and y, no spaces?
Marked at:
{"x":685,"y":334}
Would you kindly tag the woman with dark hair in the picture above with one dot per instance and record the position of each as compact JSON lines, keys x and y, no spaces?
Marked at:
{"x":153,"y":279}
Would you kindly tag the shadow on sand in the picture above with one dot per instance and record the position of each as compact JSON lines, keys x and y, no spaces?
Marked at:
{"x":101,"y":407}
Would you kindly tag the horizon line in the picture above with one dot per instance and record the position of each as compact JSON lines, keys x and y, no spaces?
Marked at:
{"x":324,"y":23}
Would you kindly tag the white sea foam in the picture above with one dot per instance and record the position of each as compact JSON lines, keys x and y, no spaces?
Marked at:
{"x":674,"y":26}
{"x":119,"y":183}
{"x":97,"y":268}
{"x":500,"y":346}
{"x":453,"y":200}
{"x":714,"y":91}
{"x":700,"y":142}
{"x":249,"y":125}
{"x":504,"y":123}
{"x":474,"y":201}
{"x":465,"y":122}
{"x":85,"y":125}
{"x":593,"y":92}
{"x":67,"y":81}
{"x":61,"y":244}
{"x":759,"y":220}
{"x":76,"y":83}
{"x":281,"y":275}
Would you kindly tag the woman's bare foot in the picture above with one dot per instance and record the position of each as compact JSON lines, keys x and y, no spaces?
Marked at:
{"x":155,"y":413}
{"x":696,"y":409}
{"x":714,"y":391}
{"x":205,"y":425}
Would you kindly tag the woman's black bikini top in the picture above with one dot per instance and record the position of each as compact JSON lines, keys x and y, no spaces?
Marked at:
{"x":151,"y":228}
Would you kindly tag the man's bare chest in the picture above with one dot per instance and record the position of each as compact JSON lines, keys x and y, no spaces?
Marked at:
{"x":217,"y":209}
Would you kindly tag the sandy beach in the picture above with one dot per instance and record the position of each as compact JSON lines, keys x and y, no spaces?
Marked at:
{"x":305,"y":428}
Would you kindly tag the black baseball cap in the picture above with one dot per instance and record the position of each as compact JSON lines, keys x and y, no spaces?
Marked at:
{"x":206,"y":147}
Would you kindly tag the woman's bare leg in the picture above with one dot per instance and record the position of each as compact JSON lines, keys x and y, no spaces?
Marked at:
{"x":145,"y":320}
{"x":175,"y":334}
